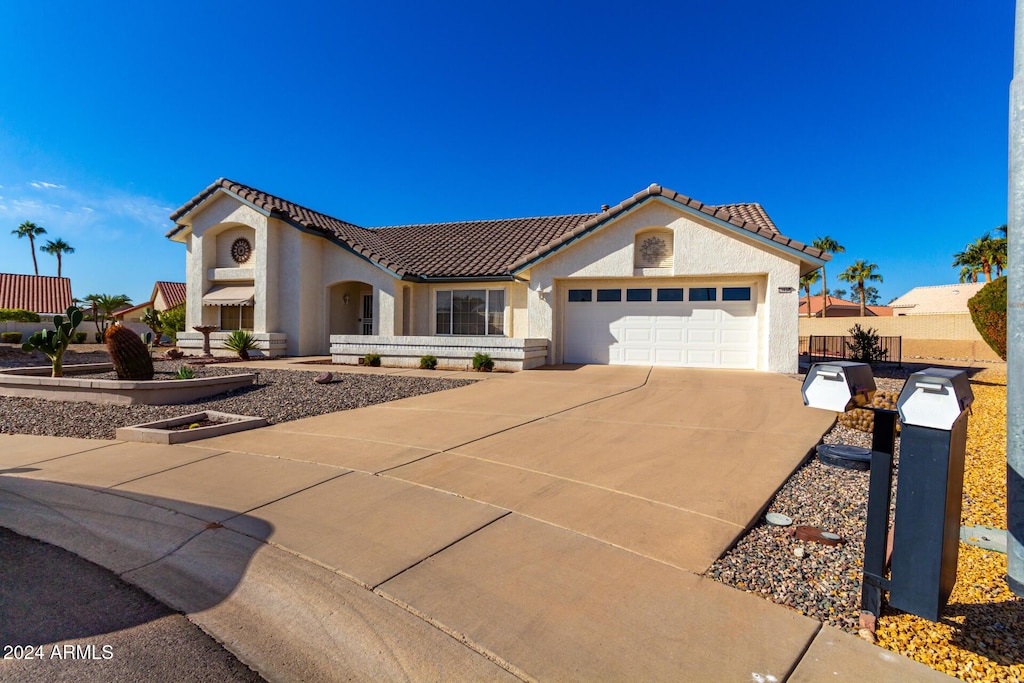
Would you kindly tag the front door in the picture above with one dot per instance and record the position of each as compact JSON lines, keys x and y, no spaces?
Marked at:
{"x":366,"y":320}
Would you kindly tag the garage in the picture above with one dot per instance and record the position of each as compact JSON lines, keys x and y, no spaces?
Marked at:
{"x":703,"y":325}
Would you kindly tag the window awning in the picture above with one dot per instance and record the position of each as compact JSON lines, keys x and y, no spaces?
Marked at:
{"x":230,"y":295}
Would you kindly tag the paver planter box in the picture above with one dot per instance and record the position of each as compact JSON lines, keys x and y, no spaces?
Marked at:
{"x":31,"y":383}
{"x":164,"y":432}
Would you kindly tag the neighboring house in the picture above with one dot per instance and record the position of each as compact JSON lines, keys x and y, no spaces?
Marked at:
{"x":165,"y":296}
{"x":936,"y":299}
{"x":659,"y":279}
{"x":42,"y":294}
{"x":840,"y":308}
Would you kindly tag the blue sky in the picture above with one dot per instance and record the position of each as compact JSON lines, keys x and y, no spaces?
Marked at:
{"x":881,"y":124}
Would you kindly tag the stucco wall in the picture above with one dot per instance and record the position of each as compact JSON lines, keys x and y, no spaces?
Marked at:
{"x":700,"y":249}
{"x":940,"y":335}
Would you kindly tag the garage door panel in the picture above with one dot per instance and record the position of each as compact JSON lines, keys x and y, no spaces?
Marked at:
{"x":695,"y":334}
{"x":669,"y":336}
{"x":699,"y":336}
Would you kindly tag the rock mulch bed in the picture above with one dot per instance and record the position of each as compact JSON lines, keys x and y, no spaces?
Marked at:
{"x":279,"y":396}
{"x":981,"y":636}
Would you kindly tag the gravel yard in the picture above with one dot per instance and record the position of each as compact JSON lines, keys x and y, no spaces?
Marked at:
{"x":981,"y":636}
{"x":280,"y":396}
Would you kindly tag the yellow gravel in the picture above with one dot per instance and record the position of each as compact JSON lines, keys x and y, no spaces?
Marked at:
{"x":981,"y":635}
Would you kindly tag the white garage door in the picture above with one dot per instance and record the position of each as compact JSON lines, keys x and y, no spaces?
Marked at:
{"x":706,"y":326}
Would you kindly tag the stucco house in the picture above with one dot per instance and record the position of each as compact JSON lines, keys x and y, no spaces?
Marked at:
{"x":165,"y":296}
{"x":839,"y":308}
{"x":659,"y":279}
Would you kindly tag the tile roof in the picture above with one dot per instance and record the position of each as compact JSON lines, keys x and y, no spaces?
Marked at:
{"x":836,"y":302}
{"x":937,"y":299}
{"x":490,"y":248}
{"x":36,"y":293}
{"x":172,"y":292}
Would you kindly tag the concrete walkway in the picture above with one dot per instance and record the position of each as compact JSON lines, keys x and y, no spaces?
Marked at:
{"x":545,"y":525}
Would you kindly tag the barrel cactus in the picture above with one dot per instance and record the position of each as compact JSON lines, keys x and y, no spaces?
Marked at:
{"x":128,"y":353}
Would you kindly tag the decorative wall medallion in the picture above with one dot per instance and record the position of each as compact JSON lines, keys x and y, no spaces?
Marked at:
{"x":241,"y":250}
{"x":653,"y":250}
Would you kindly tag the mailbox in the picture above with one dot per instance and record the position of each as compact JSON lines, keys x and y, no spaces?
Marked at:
{"x":933,"y":407}
{"x":839,"y":386}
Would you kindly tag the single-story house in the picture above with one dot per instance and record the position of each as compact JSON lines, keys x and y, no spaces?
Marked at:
{"x":165,"y":296}
{"x":659,"y":279}
{"x":839,"y":308}
{"x":936,"y":299}
{"x":42,"y":294}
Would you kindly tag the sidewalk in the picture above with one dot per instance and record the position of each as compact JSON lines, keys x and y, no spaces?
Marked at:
{"x":452,"y":537}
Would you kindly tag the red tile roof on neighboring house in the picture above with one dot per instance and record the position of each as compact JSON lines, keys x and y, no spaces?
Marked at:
{"x":36,"y":293}
{"x":839,"y":304}
{"x":172,"y":292}
{"x":491,"y":248}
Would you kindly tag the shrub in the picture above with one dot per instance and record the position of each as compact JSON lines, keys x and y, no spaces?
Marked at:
{"x":173,"y":321}
{"x":99,"y":337}
{"x":988,"y":311}
{"x":185,"y":372}
{"x":10,"y":337}
{"x":866,"y":346}
{"x":372,"y":359}
{"x":18,"y":315}
{"x":482,"y":362}
{"x":428,"y":363}
{"x":241,"y":342}
{"x":79,"y":338}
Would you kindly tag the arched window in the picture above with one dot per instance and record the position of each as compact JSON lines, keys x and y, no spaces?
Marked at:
{"x":653,"y":249}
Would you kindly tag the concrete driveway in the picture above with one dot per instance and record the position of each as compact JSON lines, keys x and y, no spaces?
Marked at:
{"x":673,"y":464}
{"x":547,"y":525}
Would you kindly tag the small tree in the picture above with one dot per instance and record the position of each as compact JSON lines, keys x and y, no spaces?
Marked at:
{"x":172,"y":321}
{"x":103,"y":307}
{"x":866,"y":346}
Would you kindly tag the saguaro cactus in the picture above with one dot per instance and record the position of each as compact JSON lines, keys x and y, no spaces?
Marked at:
{"x":55,"y":342}
{"x":128,"y":353}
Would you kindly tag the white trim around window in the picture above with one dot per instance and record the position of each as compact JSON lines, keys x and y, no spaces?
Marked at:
{"x":471,"y":311}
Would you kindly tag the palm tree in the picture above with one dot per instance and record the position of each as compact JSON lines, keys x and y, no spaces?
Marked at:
{"x":857,"y":274}
{"x":969,"y":273}
{"x":31,"y":231}
{"x":103,"y":307}
{"x":829,"y":246}
{"x":57,"y":247}
{"x":983,"y":254}
{"x":805,"y":283}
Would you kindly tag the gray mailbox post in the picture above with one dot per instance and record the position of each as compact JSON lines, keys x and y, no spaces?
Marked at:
{"x":933,"y":408}
{"x":842,"y":386}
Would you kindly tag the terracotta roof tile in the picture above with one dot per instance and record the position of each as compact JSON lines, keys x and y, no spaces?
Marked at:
{"x":172,"y":292}
{"x":36,"y":293}
{"x":487,"y":248}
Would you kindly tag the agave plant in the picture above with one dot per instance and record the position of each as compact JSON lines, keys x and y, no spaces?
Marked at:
{"x":241,"y":342}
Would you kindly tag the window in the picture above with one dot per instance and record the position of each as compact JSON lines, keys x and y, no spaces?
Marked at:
{"x":580,"y":295}
{"x":702,"y":293}
{"x":609,"y":295}
{"x":670,"y":294}
{"x":237,"y":317}
{"x":638,"y":295}
{"x":735,"y":293}
{"x":476,"y":312}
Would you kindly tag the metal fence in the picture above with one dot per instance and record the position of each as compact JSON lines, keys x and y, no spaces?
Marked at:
{"x":824,"y":348}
